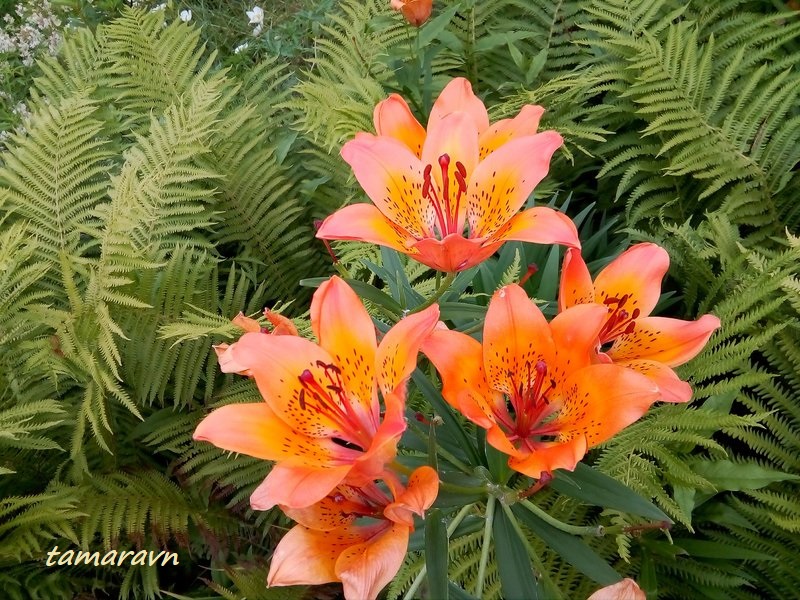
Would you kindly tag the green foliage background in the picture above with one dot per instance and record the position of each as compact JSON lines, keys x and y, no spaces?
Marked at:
{"x":156,"y":193}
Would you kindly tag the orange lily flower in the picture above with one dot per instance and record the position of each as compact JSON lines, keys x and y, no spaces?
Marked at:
{"x":627,"y":589}
{"x":532,"y":385}
{"x":329,"y":545}
{"x":630,"y":287}
{"x":321,"y":419}
{"x":416,"y":12}
{"x":463,"y":174}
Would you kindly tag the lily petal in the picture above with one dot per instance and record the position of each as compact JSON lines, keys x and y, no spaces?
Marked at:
{"x":603,"y":399}
{"x":255,"y":430}
{"x":246,"y":323}
{"x":670,"y":341}
{"x":332,"y":512}
{"x":457,"y":96}
{"x":526,"y":123}
{"x":454,"y":253}
{"x":516,"y":337}
{"x":550,"y":456}
{"x":391,"y":175}
{"x":539,"y":225}
{"x":576,"y":335}
{"x":365,"y":223}
{"x":304,"y":557}
{"x":296,"y":486}
{"x":276,"y":363}
{"x":455,"y":137}
{"x":672,"y":388}
{"x":627,"y":589}
{"x":498,"y":439}
{"x":366,"y":568}
{"x":308,"y":557}
{"x":383,"y":449}
{"x":576,"y":285}
{"x":637,"y":273}
{"x":423,"y":487}
{"x":397,"y":353}
{"x":345,"y":330}
{"x":280,"y":325}
{"x":459,"y":360}
{"x":503,"y":181}
{"x":394,"y":118}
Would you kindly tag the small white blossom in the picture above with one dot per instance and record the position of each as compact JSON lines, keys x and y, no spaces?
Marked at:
{"x":185,"y":15}
{"x":256,"y":16}
{"x":240,"y":48}
{"x":161,"y":6}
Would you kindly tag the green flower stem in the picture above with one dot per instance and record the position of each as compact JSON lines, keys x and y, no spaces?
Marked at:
{"x":446,"y":454}
{"x":594,"y":530}
{"x":461,"y":489}
{"x":424,"y":571}
{"x":552,"y":591}
{"x":487,"y":536}
{"x":440,"y":290}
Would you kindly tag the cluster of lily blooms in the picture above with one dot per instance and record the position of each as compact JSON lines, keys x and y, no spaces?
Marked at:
{"x":448,"y":196}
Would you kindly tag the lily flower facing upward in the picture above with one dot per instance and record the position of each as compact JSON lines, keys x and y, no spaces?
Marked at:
{"x":416,"y":12}
{"x":356,"y":535}
{"x":449,"y":197}
{"x":321,"y":418}
{"x":630,"y":287}
{"x":533,"y":385}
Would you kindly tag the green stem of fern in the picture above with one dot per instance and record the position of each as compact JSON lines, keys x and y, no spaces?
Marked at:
{"x":440,"y":290}
{"x":594,"y":530}
{"x":424,"y":571}
{"x":487,"y":535}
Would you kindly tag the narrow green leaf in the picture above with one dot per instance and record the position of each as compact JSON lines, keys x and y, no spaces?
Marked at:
{"x":595,"y":488}
{"x":431,"y":30}
{"x":709,"y":549}
{"x":494,"y":40}
{"x":517,"y":578}
{"x":572,"y":548}
{"x":727,"y":475}
{"x":457,"y":593}
{"x":436,"y":553}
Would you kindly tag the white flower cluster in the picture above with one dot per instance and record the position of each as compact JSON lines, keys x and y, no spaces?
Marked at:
{"x":35,"y":29}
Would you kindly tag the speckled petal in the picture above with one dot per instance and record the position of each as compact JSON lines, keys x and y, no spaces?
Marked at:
{"x":525,"y":123}
{"x":672,"y":388}
{"x":503,"y":181}
{"x":516,"y":337}
{"x":670,"y":341}
{"x":391,"y":175}
{"x":397,"y":353}
{"x":365,"y":569}
{"x":276,"y":363}
{"x":637,"y":273}
{"x":601,"y":400}
{"x":538,"y":225}
{"x":345,"y":330}
{"x":365,"y":223}
{"x":459,"y":360}
{"x":255,"y":430}
{"x":576,"y":285}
